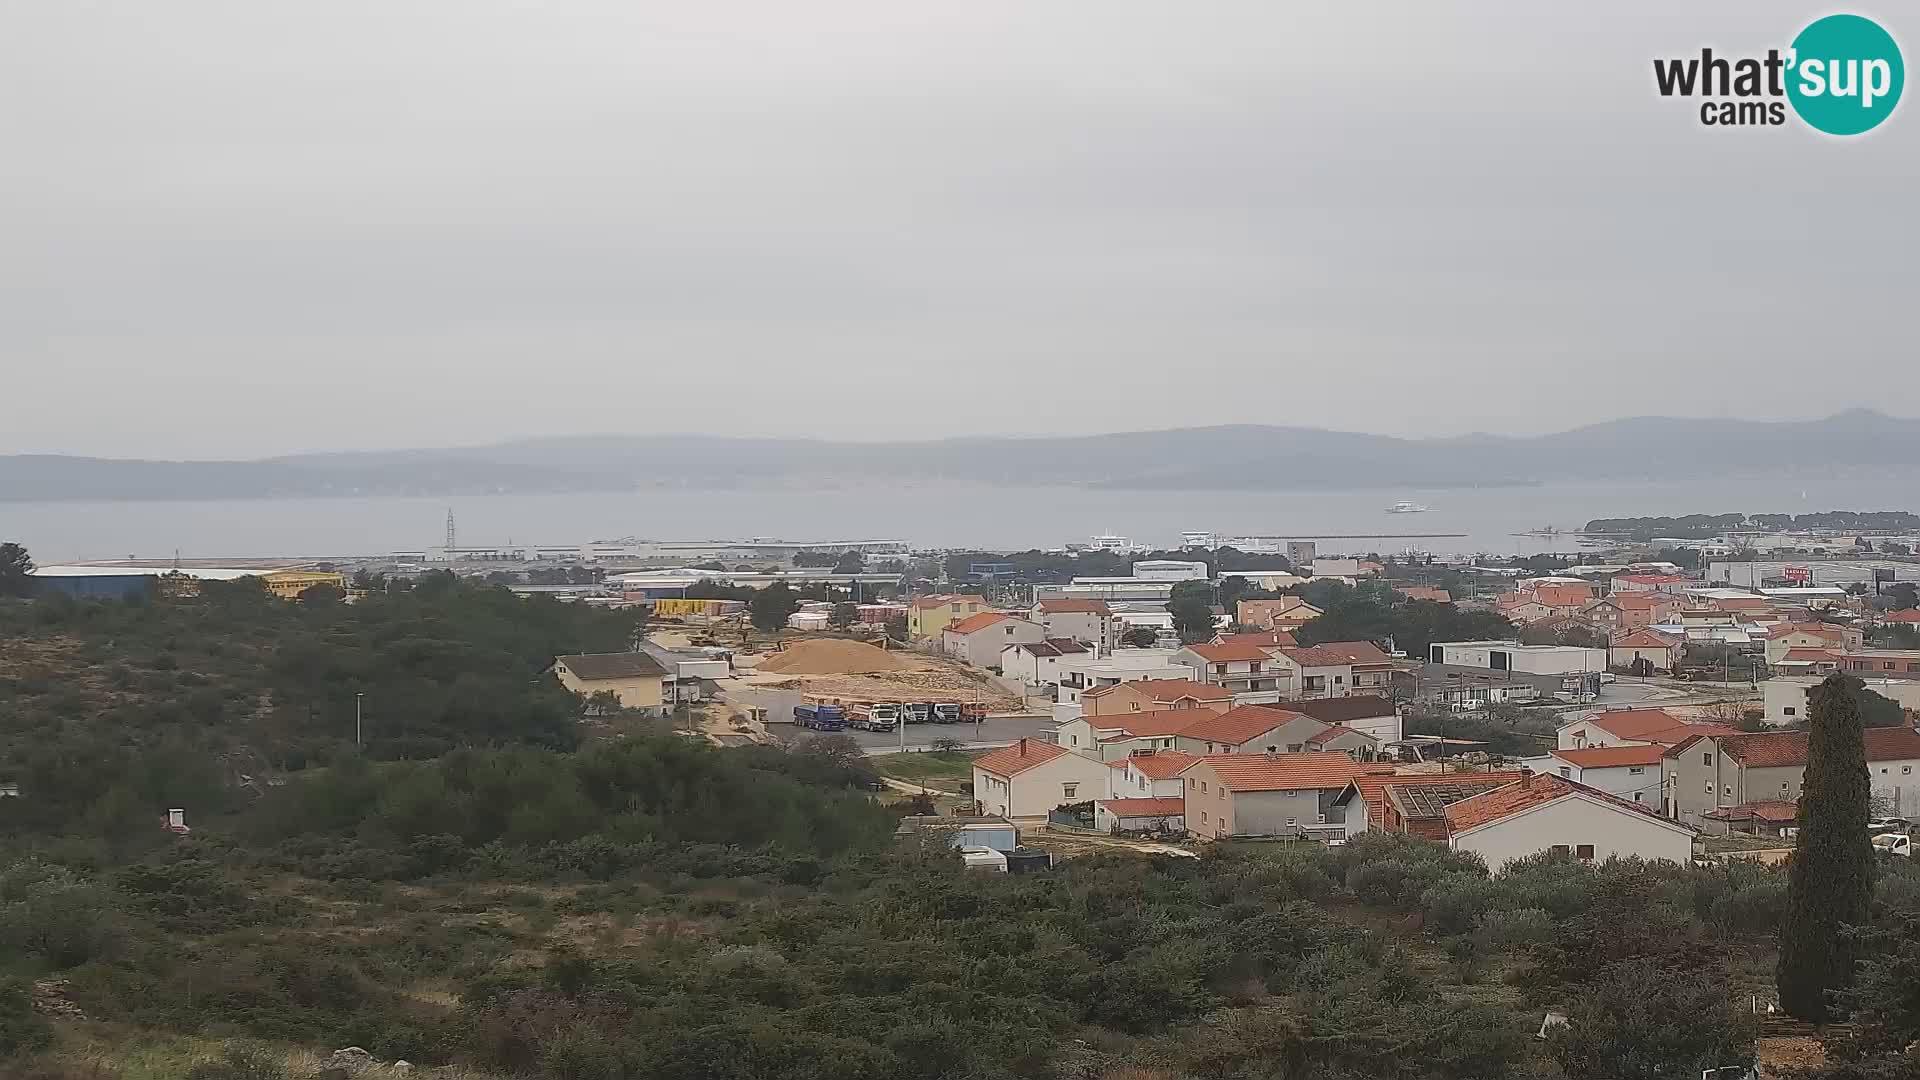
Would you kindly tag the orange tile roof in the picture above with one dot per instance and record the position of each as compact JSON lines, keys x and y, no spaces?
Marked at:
{"x":1333,"y":733}
{"x":1651,"y":579}
{"x":1563,"y":595}
{"x":1229,"y":652}
{"x":1171,"y":806}
{"x":1911,"y":615}
{"x":974,"y":623}
{"x":1801,"y":652}
{"x":1166,"y":690}
{"x":1644,"y":639}
{"x":1284,"y":772}
{"x":1743,"y":603}
{"x":1526,"y":793}
{"x":1373,"y":787}
{"x":1632,"y":723}
{"x":1153,"y":724}
{"x":1013,"y":760}
{"x":1337,"y":653}
{"x":1611,"y":757}
{"x":1237,"y":725}
{"x":1267,"y":639}
{"x":1776,"y":811}
{"x":1777,"y":749}
{"x":1626,"y":600}
{"x":1161,"y":764}
{"x":1824,"y":630}
{"x":1422,"y":592}
{"x":1065,"y":606}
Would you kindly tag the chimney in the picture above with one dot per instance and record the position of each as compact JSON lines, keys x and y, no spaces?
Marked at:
{"x":1526,"y":779}
{"x":1272,"y":754}
{"x":1023,"y":746}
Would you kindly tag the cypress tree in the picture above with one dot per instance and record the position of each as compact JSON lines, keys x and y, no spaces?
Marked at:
{"x":1830,"y":878}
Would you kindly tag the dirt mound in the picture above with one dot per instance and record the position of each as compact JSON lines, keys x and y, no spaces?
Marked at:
{"x":829,"y":656}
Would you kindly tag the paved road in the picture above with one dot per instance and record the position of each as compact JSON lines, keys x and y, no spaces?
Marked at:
{"x":997,"y":731}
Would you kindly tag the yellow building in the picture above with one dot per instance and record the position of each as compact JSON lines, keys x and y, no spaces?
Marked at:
{"x":929,"y":616}
{"x":635,"y":679}
{"x":289,"y":584}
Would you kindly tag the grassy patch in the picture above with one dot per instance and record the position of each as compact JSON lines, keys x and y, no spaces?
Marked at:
{"x":931,"y":769}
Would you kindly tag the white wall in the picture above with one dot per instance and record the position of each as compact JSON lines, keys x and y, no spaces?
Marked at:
{"x":1036,"y":791}
{"x":1574,"y":820}
{"x":1641,"y":787}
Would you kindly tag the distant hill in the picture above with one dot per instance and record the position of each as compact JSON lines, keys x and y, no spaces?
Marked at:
{"x":1242,"y":457}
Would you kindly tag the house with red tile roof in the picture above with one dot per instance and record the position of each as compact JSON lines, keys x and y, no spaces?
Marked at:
{"x":1908,"y":617}
{"x":1265,"y":639}
{"x":1809,"y":662}
{"x":1249,"y":670}
{"x":1671,"y":584}
{"x":1031,"y":777}
{"x":1412,"y":804}
{"x":927,"y":616}
{"x":1148,"y":774}
{"x":1336,"y":669}
{"x":1251,"y":729}
{"x":1632,"y":650}
{"x":1117,"y":736}
{"x":1280,"y":613}
{"x":1269,"y":794}
{"x":1539,"y":813}
{"x":1766,"y":818}
{"x":1629,"y":727}
{"x":978,"y":640}
{"x":1631,"y":771}
{"x":1712,"y":772}
{"x":1422,"y":592}
{"x":1154,"y":815}
{"x":1817,"y":635}
{"x":1147,"y":695}
{"x":1037,"y":663}
{"x":1089,"y":622}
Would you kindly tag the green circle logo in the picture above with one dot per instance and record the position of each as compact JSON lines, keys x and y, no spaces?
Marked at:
{"x":1846,"y":75}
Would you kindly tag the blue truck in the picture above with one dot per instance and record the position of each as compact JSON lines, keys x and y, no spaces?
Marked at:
{"x":820,"y":717}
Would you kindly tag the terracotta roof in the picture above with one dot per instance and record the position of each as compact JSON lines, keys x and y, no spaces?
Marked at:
{"x":618,"y":665}
{"x":1226,"y":653}
{"x":975,"y":623}
{"x":1342,"y":710}
{"x":1237,"y":725}
{"x":1911,"y":615}
{"x":1337,"y":653}
{"x":1334,"y":732}
{"x":1373,"y":787}
{"x":1626,"y":600}
{"x":943,"y":599}
{"x":1528,"y":792}
{"x":1267,"y":639}
{"x":1610,"y":757}
{"x":1166,"y":690}
{"x":1802,"y":652}
{"x":1062,"y":607}
{"x":1644,"y":639}
{"x":1777,"y":811}
{"x":1631,"y":723}
{"x":1053,"y":647}
{"x":1160,"y":764}
{"x":1422,"y":592}
{"x":1171,"y":806}
{"x":1680,"y":733}
{"x":1743,"y":603}
{"x":1818,"y":629}
{"x":1776,"y":749}
{"x":1018,"y":758}
{"x":1563,"y":595}
{"x":1152,"y":724}
{"x":1650,"y":579}
{"x":1284,"y":772}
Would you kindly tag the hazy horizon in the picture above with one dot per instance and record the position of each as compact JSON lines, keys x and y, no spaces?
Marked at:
{"x":238,"y":231}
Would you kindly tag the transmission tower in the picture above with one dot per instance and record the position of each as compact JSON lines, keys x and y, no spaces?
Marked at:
{"x":450,"y":544}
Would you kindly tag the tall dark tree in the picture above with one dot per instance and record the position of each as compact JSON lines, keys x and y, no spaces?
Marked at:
{"x":1830,"y":878}
{"x":16,"y":571}
{"x":1192,"y":608}
{"x":770,"y":607}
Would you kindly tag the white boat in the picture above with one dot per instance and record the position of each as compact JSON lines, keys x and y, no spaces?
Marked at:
{"x":1406,"y":508}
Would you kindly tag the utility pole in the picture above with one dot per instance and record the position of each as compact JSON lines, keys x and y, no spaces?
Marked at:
{"x":358,"y":743}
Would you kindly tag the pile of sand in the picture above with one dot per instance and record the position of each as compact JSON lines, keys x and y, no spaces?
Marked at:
{"x":831,"y":656}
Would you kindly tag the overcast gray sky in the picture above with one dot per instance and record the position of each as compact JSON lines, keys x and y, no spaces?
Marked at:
{"x":243,"y":227}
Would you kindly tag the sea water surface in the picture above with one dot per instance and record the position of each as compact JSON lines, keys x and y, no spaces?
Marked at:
{"x":1485,"y":519}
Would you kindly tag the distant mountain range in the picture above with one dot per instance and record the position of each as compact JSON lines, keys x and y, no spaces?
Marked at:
{"x":1240,"y":457}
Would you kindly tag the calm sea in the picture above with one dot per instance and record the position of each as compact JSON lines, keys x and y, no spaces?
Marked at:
{"x":1013,"y":518}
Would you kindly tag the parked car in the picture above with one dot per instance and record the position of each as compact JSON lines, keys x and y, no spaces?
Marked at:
{"x":1886,"y":824}
{"x":1894,"y":844}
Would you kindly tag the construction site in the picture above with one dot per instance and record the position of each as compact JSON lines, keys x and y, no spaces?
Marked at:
{"x":856,"y":672}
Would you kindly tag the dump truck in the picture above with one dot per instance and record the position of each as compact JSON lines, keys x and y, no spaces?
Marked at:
{"x":878,"y":716}
{"x":819,"y":716}
{"x":946,"y":712}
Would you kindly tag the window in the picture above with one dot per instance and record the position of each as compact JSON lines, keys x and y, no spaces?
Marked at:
{"x":1709,"y":787}
{"x":1788,"y":710}
{"x":1069,"y":789}
{"x":1638,"y":796}
{"x":1636,"y":770}
{"x":1223,"y":794}
{"x":1562,"y":849}
{"x":1566,"y":772}
{"x":1192,"y":783}
{"x":1906,"y":770}
{"x":1338,"y":679}
{"x":1727,"y":791}
{"x":1203,"y":817}
{"x":1584,"y":853}
{"x":1290,"y":823}
{"x":1320,"y":819}
{"x":1706,"y":759}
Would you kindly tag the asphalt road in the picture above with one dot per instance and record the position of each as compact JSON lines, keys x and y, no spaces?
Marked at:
{"x":996,"y":731}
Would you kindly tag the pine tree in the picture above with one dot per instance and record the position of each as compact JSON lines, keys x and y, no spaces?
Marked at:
{"x":1830,"y":879}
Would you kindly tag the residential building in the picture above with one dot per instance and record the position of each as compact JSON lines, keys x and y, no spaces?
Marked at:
{"x":1119,"y":736}
{"x":1656,"y":651}
{"x":1671,"y":584}
{"x":1037,"y":663}
{"x":1820,"y":662}
{"x":1881,"y":663}
{"x":1079,"y":674}
{"x":1336,"y":568}
{"x":1336,"y":669}
{"x":1029,"y":778}
{"x":1146,"y":695}
{"x":1281,"y":613}
{"x":289,"y":584}
{"x":927,"y":616}
{"x":1785,"y":696}
{"x":1411,"y":804}
{"x":1787,"y":636}
{"x":1250,"y":729}
{"x":1373,"y":715}
{"x":635,"y":679}
{"x":1269,"y":794}
{"x":1246,"y":669}
{"x":979,"y":640}
{"x":1713,"y":772}
{"x":1422,"y":592}
{"x":1344,"y":740}
{"x":1155,"y":815}
{"x":1089,"y":622}
{"x":1632,"y":727}
{"x":1551,"y":813}
{"x":1645,"y":608}
{"x":1148,"y":774}
{"x":1267,"y":640}
{"x":1630,"y":771}
{"x":1513,"y":656}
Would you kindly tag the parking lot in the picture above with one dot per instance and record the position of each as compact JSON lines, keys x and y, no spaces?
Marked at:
{"x":995,"y":731}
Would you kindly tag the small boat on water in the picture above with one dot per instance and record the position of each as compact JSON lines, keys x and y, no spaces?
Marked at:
{"x":1406,"y":508}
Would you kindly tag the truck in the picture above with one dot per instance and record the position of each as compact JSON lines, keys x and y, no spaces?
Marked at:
{"x":973,"y":712}
{"x":916,"y":712}
{"x":878,"y":716}
{"x":1900,"y":844}
{"x":819,"y":716}
{"x":946,"y":712}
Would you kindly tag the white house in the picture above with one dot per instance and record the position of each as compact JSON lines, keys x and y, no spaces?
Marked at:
{"x":978,"y":640}
{"x":1550,"y":813}
{"x":1079,"y":674}
{"x":1089,"y":622}
{"x":1513,"y":656}
{"x":1630,"y":772}
{"x":1630,"y":649}
{"x":1030,"y":778}
{"x":1037,"y":663}
{"x":1252,"y":673}
{"x":1148,"y":774}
